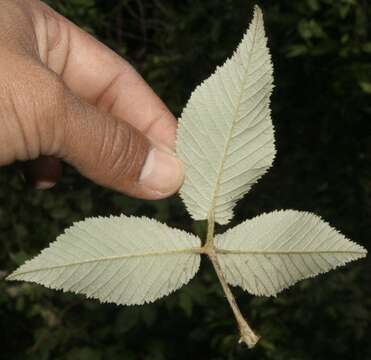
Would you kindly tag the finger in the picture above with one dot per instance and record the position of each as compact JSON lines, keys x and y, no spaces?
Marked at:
{"x":95,"y":73}
{"x":43,"y":173}
{"x":118,"y":155}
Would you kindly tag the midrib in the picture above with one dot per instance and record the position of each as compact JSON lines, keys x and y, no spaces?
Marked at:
{"x":313,"y":252}
{"x":195,"y":250}
{"x":211,"y":215}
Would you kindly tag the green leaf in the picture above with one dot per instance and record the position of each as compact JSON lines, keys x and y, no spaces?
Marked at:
{"x":365,"y":86}
{"x":125,"y":260}
{"x":225,"y":136}
{"x":274,"y":251}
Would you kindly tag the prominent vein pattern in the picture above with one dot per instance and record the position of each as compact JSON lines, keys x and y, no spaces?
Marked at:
{"x":226,"y":141}
{"x":118,"y":259}
{"x":225,"y":137}
{"x":273,"y":251}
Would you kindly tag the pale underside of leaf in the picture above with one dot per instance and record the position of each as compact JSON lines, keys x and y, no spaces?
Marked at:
{"x":225,"y":136}
{"x":124,"y":260}
{"x":273,"y":251}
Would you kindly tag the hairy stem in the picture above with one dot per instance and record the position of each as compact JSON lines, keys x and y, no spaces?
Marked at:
{"x":247,"y":334}
{"x":210,"y":232}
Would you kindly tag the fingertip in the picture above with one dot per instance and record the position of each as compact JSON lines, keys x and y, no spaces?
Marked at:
{"x":42,"y":173}
{"x":44,"y":185}
{"x":117,"y":155}
{"x":162,"y":174}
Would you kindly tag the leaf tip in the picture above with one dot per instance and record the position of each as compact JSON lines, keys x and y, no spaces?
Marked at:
{"x":362,"y":251}
{"x":10,"y":277}
{"x":14,"y":276}
{"x":257,"y":10}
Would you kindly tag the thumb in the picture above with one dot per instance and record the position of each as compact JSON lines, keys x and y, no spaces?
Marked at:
{"x":114,"y":154}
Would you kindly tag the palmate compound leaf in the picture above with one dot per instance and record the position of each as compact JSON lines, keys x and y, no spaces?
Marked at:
{"x":273,"y":251}
{"x":124,"y":260}
{"x":225,"y":136}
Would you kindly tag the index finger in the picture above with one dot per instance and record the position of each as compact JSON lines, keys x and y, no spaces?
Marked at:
{"x":97,"y":74}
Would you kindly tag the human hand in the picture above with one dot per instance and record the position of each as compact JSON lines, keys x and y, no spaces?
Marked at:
{"x":66,"y":96}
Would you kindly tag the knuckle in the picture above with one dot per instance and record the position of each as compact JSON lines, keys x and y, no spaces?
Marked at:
{"x":35,"y":101}
{"x":50,"y":110}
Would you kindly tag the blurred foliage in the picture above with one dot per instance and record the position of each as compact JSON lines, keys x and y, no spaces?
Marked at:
{"x":321,"y":110}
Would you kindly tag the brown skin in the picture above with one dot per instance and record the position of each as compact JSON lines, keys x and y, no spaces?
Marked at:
{"x":66,"y":96}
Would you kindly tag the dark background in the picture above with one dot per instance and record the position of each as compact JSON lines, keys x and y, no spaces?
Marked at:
{"x":322,"y":114}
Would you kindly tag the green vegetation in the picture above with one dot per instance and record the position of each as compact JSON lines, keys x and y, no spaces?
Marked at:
{"x":321,"y":111}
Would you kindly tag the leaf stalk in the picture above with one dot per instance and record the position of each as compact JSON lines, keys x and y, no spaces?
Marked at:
{"x":247,"y":335}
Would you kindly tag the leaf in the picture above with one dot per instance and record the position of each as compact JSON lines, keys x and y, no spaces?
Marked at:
{"x":295,"y":50}
{"x":365,"y":86}
{"x":225,"y":136}
{"x":273,"y":251}
{"x":125,"y":260}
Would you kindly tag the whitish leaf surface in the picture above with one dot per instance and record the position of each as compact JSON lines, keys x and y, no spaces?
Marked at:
{"x":118,"y":259}
{"x":273,"y":251}
{"x":225,"y":134}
